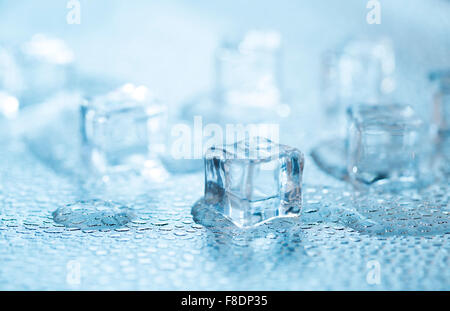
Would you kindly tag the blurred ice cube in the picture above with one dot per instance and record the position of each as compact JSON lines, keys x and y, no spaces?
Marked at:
{"x":361,"y":71}
{"x":11,"y":79}
{"x":124,"y":130}
{"x":45,"y":66}
{"x":35,"y":70}
{"x":441,"y":107}
{"x":248,"y":76}
{"x":441,"y":121}
{"x":386,"y":147}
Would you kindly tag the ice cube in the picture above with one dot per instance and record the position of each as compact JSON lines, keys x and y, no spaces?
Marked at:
{"x":254,"y":180}
{"x":124,"y":129}
{"x":441,"y":109}
{"x":386,"y":146}
{"x":360,"y":71}
{"x":249,"y":77}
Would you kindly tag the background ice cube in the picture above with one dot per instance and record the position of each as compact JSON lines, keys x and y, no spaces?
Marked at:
{"x":124,"y":129}
{"x":386,"y":143}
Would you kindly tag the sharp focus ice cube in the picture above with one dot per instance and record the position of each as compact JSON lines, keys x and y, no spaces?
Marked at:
{"x":386,"y":146}
{"x":123,"y":130}
{"x":254,"y":180}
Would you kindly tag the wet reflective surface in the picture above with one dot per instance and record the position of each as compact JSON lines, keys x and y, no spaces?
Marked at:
{"x":176,"y":242}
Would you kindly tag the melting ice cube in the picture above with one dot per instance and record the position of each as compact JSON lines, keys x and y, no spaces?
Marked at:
{"x":385,"y":146}
{"x":93,"y":214}
{"x":254,"y":180}
{"x":124,"y":129}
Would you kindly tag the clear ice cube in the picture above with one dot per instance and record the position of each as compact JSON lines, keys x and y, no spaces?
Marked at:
{"x":385,"y":146}
{"x":124,"y":129}
{"x":254,"y":180}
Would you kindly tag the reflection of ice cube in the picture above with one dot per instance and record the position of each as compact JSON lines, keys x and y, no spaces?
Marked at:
{"x":386,"y":145}
{"x":124,"y":129}
{"x":254,"y":180}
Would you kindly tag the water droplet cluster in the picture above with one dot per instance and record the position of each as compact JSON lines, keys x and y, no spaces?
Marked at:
{"x":172,"y":241}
